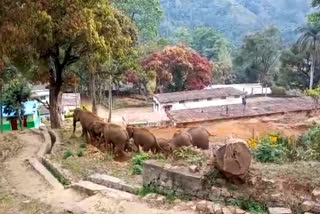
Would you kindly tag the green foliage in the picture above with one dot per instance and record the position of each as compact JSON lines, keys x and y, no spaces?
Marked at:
{"x":68,"y":153}
{"x":271,"y":148}
{"x":145,"y":190}
{"x":16,"y":93}
{"x":277,"y":90}
{"x":295,"y":69}
{"x":315,"y":95}
{"x":250,"y":206}
{"x":137,"y":162}
{"x":258,"y":56}
{"x":83,"y":145}
{"x":309,"y":144}
{"x":146,"y":14}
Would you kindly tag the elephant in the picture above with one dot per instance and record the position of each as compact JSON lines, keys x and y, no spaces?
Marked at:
{"x":116,"y":135}
{"x":180,"y":139}
{"x":144,"y":138}
{"x":86,"y":119}
{"x":165,"y":145}
{"x":200,"y":137}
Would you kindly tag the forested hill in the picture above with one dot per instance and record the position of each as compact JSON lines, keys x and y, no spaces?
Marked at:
{"x":234,"y":17}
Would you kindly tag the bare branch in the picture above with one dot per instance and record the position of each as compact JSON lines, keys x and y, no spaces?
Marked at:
{"x":45,"y":104}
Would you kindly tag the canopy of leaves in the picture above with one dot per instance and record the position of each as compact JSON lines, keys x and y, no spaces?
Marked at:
{"x":57,"y":33}
{"x":16,"y":93}
{"x":295,"y":68}
{"x":207,"y":41}
{"x":179,"y":68}
{"x":258,"y":56}
{"x":146,"y":14}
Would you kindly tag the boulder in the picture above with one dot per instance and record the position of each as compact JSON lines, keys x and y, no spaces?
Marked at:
{"x":316,"y":194}
{"x":233,"y":159}
{"x":279,"y":210}
{"x":307,"y":206}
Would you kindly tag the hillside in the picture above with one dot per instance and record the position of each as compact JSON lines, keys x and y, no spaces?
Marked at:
{"x":235,"y":18}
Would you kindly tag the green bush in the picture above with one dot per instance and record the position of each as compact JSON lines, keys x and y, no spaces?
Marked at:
{"x":251,"y":206}
{"x":276,"y":90}
{"x":271,"y":148}
{"x":137,"y":162}
{"x":189,"y":154}
{"x":68,"y":153}
{"x":83,"y":145}
{"x":309,"y":144}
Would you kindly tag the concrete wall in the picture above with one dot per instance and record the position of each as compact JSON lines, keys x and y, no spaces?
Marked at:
{"x":197,"y":104}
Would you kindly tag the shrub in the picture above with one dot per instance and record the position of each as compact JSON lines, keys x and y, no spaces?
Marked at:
{"x":137,"y":162}
{"x":83,"y":145}
{"x":271,"y":148}
{"x":276,"y":90}
{"x":68,"y":153}
{"x":80,"y":153}
{"x":251,"y":206}
{"x":309,"y":144}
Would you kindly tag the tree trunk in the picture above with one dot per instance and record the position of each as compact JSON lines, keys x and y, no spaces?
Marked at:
{"x":55,"y":116}
{"x":93,"y":92}
{"x":1,"y":107}
{"x":110,"y":98}
{"x":313,"y":62}
{"x":20,"y":120}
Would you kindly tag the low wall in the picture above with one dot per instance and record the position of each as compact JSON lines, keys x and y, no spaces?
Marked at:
{"x":176,"y":181}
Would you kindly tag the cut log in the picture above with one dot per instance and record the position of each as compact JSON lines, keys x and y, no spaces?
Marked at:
{"x":233,"y":159}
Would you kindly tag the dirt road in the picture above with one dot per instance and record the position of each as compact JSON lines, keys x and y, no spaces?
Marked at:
{"x":20,"y":183}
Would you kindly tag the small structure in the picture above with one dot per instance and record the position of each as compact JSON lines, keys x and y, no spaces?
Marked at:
{"x":197,"y":99}
{"x":31,"y":117}
{"x":41,"y":93}
{"x":70,"y":101}
{"x":250,"y":89}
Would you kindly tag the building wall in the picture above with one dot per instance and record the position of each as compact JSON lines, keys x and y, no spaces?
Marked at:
{"x":250,"y":89}
{"x":198,"y":104}
{"x":33,"y":121}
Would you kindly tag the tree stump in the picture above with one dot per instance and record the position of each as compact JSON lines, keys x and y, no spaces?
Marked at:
{"x":233,"y":159}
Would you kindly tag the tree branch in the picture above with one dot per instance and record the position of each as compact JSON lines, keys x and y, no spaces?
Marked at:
{"x":45,"y":104}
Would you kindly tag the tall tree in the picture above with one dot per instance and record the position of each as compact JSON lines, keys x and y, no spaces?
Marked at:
{"x":258,"y":56}
{"x":16,"y":93}
{"x":309,"y":40}
{"x":146,"y":14}
{"x":55,"y":34}
{"x":315,"y":16}
{"x":179,"y":68}
{"x":295,"y":69}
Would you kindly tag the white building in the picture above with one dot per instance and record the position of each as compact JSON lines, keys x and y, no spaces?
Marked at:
{"x":250,"y":88}
{"x":40,"y":92}
{"x":70,"y":101}
{"x":197,"y":99}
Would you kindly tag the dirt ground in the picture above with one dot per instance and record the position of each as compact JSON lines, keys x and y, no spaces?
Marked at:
{"x":289,"y":125}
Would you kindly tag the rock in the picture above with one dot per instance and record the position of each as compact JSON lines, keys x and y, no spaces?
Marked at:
{"x":167,"y":166}
{"x":239,"y":211}
{"x":307,"y":205}
{"x":253,"y":180}
{"x":279,"y":210}
{"x":276,"y":197}
{"x":202,"y":207}
{"x":150,"y":196}
{"x":216,"y":209}
{"x":316,"y":208}
{"x":194,"y":169}
{"x":227,"y":210}
{"x":160,"y":198}
{"x":316,"y":194}
{"x":27,"y":202}
{"x":177,"y":201}
{"x":268,"y":181}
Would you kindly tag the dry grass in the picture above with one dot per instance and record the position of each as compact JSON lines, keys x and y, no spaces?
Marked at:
{"x":9,"y":145}
{"x":91,"y":160}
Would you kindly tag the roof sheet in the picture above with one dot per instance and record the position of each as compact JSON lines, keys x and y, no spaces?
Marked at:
{"x":236,"y":111}
{"x":197,"y":94}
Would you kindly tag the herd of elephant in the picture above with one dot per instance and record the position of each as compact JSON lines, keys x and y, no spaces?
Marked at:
{"x":115,"y":137}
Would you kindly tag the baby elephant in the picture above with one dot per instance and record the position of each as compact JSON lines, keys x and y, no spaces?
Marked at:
{"x":165,"y":145}
{"x":200,"y":137}
{"x":181,"y":138}
{"x":144,"y":138}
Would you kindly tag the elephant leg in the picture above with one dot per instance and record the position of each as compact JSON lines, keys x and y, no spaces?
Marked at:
{"x":146,"y":148}
{"x":137,"y":145}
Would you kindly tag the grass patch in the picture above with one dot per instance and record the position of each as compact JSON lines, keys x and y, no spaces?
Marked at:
{"x":137,"y":162}
{"x":68,"y":153}
{"x":145,"y":190}
{"x":251,"y":206}
{"x":83,"y":145}
{"x":188,"y":154}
